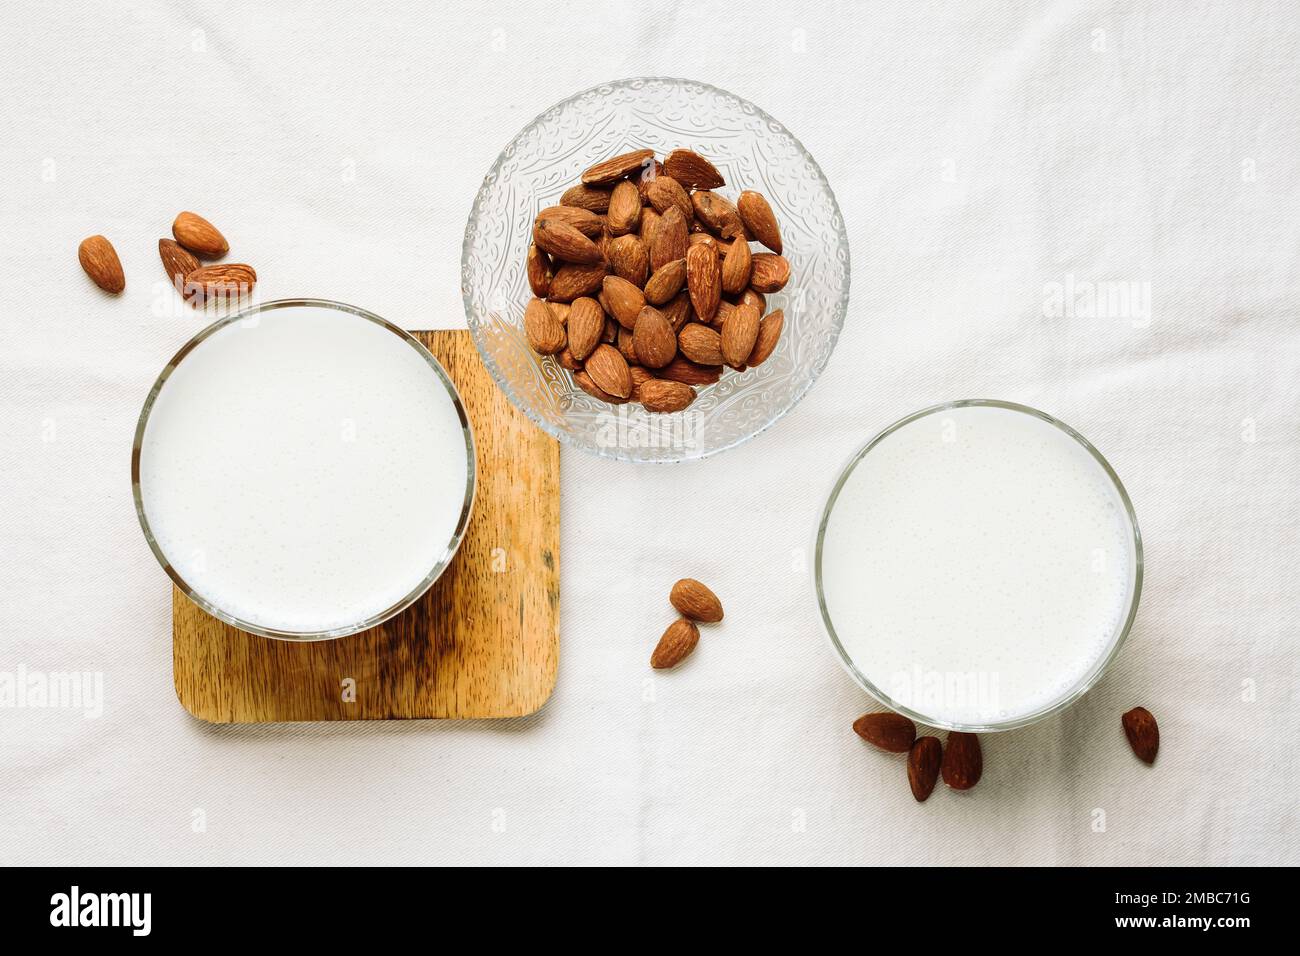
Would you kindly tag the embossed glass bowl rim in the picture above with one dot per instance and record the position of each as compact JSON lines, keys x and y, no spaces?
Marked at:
{"x":1088,"y":680}
{"x":440,"y":565}
{"x":480,"y":340}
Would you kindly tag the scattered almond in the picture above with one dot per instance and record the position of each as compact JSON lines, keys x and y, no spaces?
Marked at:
{"x":199,"y":236}
{"x":695,"y":601}
{"x":923,"y":761}
{"x":669,"y":241}
{"x":963,"y":762}
{"x":1143,"y":734}
{"x":718,"y":214}
{"x":676,"y":644}
{"x":99,"y":260}
{"x":572,"y":280}
{"x":886,"y":730}
{"x":682,"y":369}
{"x":584,"y":220}
{"x":666,"y":282}
{"x":234,"y":279}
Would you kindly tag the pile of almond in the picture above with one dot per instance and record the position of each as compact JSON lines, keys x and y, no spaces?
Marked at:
{"x":645,"y":283}
{"x":194,"y":237}
{"x":696,"y":604}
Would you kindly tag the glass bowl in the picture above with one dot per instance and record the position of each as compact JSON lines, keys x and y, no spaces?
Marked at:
{"x":1087,"y":680}
{"x":752,"y":151}
{"x":438,"y":562}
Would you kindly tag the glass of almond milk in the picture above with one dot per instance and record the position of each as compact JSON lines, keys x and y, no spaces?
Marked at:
{"x":303,"y":470}
{"x":978,"y":565}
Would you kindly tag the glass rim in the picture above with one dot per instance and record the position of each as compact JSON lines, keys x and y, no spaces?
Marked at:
{"x":1094,"y":674}
{"x":462,"y":522}
{"x":480,"y":337}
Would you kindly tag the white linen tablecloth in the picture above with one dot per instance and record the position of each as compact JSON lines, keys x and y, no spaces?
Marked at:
{"x":987,"y":157}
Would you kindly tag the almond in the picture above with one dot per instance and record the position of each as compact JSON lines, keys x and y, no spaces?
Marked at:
{"x":612,"y":170}
{"x":700,"y":344}
{"x":666,"y":191}
{"x":639,"y":377}
{"x":739,"y":333}
{"x":608,"y":369}
{"x":649,"y":223}
{"x":923,"y":766}
{"x":538,"y":267}
{"x":887,"y":730}
{"x":666,"y":282}
{"x":677,"y":642}
{"x":610,"y":335}
{"x":178,"y":262}
{"x":591,"y":198}
{"x":758,"y":219}
{"x":626,"y":345}
{"x":669,"y":240}
{"x":571,"y":281}
{"x":623,"y":300}
{"x":718,"y":214}
{"x":678,"y":309}
{"x":653,"y":339}
{"x":586,"y":323}
{"x":963,"y":763}
{"x":736,"y":265}
{"x":707,"y":239}
{"x":544,"y":331}
{"x":691,"y":169}
{"x":584,"y":382}
{"x":756,"y":298}
{"x":770,"y":272}
{"x":99,"y":260}
{"x":725,"y":309}
{"x":682,"y":369}
{"x":704,"y":281}
{"x":695,"y":601}
{"x":199,"y":236}
{"x":649,"y":173}
{"x":583,"y":220}
{"x":561,"y":311}
{"x":769,"y":332}
{"x":565,"y":359}
{"x":565,"y":242}
{"x":225,"y":280}
{"x":624,"y":214}
{"x":664,"y":396}
{"x":629,"y":259}
{"x":1142,"y":732}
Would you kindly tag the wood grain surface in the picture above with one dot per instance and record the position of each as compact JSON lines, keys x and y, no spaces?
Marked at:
{"x":484,"y":640}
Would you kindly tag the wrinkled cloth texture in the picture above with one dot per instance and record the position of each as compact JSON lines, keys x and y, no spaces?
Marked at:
{"x":1088,"y":207}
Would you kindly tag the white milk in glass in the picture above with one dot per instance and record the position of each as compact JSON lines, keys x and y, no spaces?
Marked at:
{"x":977,"y":564}
{"x":304,"y":470}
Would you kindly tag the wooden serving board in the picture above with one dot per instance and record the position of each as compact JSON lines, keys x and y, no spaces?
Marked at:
{"x":484,"y":640}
